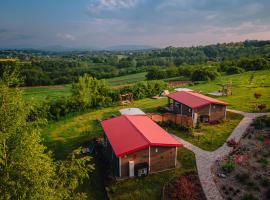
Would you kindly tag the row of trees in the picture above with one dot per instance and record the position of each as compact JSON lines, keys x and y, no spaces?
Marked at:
{"x":89,"y":93}
{"x":194,"y":73}
{"x":27,"y":169}
{"x":48,"y":68}
{"x":210,"y":71}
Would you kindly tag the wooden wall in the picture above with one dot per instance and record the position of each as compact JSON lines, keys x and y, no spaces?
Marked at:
{"x":138,"y":157}
{"x":162,"y":158}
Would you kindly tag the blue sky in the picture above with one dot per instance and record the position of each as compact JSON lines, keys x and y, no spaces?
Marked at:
{"x":159,"y":23}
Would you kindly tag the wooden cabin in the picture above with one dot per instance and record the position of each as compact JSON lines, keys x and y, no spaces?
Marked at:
{"x":197,"y":106}
{"x":137,"y":146}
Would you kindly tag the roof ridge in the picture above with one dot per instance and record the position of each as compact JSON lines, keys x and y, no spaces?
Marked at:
{"x":200,"y":96}
{"x":127,"y":116}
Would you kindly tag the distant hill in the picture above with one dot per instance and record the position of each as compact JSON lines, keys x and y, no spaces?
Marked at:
{"x":129,"y":47}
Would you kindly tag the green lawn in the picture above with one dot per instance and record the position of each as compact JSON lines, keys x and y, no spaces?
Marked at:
{"x":213,"y":136}
{"x":40,"y":94}
{"x":65,"y":135}
{"x":127,"y":79}
{"x":150,"y":187}
{"x":243,"y":92}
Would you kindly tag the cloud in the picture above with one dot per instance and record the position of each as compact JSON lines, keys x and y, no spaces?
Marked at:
{"x":98,"y":6}
{"x":66,"y":36}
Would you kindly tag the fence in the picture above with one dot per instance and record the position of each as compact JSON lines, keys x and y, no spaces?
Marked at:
{"x":175,"y":118}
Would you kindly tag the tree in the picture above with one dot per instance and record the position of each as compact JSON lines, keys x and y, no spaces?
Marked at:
{"x":27,"y":171}
{"x":155,"y":72}
{"x":89,"y":92}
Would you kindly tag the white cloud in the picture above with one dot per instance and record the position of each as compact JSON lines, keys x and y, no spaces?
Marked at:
{"x":66,"y":36}
{"x":110,"y":5}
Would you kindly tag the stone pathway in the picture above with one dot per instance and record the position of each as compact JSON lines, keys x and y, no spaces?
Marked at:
{"x":205,"y":159}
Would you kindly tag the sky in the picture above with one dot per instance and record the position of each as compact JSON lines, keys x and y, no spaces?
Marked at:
{"x":158,"y":23}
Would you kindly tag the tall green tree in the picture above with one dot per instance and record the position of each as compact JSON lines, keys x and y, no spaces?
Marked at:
{"x":26,"y":170}
{"x":90,"y":92}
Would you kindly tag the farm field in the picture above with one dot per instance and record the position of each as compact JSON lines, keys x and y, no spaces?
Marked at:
{"x":41,"y":93}
{"x":128,"y":79}
{"x":243,"y":89}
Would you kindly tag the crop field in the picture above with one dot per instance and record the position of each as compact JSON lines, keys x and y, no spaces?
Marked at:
{"x":41,"y":93}
{"x":128,"y":79}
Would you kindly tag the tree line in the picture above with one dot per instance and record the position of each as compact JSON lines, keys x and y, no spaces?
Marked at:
{"x":209,"y":71}
{"x":50,"y":68}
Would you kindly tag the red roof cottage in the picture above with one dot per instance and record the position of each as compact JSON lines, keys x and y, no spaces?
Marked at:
{"x":200,"y":107}
{"x":136,"y":146}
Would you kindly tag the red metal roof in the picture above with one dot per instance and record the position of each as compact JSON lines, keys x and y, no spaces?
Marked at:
{"x":193,"y":99}
{"x":131,"y":133}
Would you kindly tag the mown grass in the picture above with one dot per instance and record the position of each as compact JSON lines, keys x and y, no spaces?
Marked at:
{"x":127,"y":79}
{"x":40,"y":94}
{"x":243,"y":90}
{"x":64,"y":135}
{"x":210,"y":137}
{"x":150,"y":187}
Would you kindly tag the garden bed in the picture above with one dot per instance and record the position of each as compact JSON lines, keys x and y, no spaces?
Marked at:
{"x":184,"y":187}
{"x":245,"y":173}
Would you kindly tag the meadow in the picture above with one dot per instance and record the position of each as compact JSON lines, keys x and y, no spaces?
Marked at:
{"x":243,"y":89}
{"x":128,"y":79}
{"x":62,"y":136}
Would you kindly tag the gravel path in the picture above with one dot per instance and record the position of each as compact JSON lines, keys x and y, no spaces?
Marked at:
{"x":205,"y":159}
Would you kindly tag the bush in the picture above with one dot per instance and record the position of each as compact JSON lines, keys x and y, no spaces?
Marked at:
{"x":242,"y":178}
{"x":228,"y":166}
{"x":145,"y":89}
{"x":249,"y":196}
{"x":234,"y":70}
{"x":204,"y":74}
{"x":261,"y":122}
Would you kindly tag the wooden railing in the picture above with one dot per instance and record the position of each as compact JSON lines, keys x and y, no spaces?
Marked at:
{"x":175,"y":118}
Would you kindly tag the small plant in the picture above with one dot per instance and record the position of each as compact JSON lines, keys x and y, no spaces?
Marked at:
{"x":257,"y":95}
{"x":265,"y":182}
{"x":242,"y":178}
{"x":261,"y":107}
{"x":267,"y":194}
{"x":249,"y":196}
{"x":252,"y":185}
{"x":232,"y":143}
{"x":198,"y":125}
{"x":228,"y":166}
{"x":263,"y":161}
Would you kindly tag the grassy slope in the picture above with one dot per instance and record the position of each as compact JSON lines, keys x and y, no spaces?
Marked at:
{"x":150,"y":187}
{"x":243,"y":92}
{"x":128,"y":79}
{"x":63,"y":136}
{"x":40,"y":94}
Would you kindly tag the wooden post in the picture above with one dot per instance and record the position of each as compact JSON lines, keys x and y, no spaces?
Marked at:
{"x":149,"y":160}
{"x":225,"y":114}
{"x":119,"y":167}
{"x":175,"y":156}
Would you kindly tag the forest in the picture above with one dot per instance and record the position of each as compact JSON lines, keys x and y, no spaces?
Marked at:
{"x":195,"y":63}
